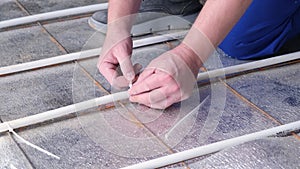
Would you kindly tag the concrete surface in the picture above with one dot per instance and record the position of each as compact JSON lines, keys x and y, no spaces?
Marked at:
{"x":9,"y":10}
{"x":40,"y":6}
{"x":35,"y":92}
{"x":276,"y":91}
{"x":256,"y":155}
{"x":24,"y":45}
{"x":11,"y":155}
{"x":67,"y":34}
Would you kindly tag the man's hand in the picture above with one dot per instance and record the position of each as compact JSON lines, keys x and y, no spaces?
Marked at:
{"x":168,"y":79}
{"x":117,"y":48}
{"x":115,"y":64}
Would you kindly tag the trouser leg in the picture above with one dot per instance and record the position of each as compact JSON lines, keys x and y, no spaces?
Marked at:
{"x":263,"y":29}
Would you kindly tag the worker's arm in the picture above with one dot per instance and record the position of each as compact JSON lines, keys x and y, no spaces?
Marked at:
{"x":170,"y":77}
{"x":117,"y":47}
{"x":121,"y":13}
{"x":214,"y":22}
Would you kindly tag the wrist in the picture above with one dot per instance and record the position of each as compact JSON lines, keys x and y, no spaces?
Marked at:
{"x":189,"y":57}
{"x":197,"y":42}
{"x":119,"y":29}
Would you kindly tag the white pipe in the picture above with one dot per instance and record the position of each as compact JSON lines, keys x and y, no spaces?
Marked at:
{"x":214,"y":147}
{"x":63,"y":111}
{"x":84,"y":54}
{"x":249,"y":66}
{"x":144,"y":42}
{"x":52,"y":15}
{"x":30,"y":120}
{"x":48,"y":62}
{"x":159,"y":39}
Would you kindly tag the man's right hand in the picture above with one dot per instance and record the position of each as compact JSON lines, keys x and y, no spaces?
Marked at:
{"x":115,"y":64}
{"x":117,"y":48}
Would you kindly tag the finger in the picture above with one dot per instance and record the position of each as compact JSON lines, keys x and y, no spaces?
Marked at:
{"x":108,"y":71}
{"x":164,"y":103}
{"x":145,"y":74}
{"x":127,"y":68}
{"x":151,"y":83}
{"x":121,"y":82}
{"x":154,"y":81}
{"x":157,"y":96}
{"x":148,"y":98}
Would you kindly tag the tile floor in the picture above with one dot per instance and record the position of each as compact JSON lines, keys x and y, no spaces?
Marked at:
{"x":233,"y":107}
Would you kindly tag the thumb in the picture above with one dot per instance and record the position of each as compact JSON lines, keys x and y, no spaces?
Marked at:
{"x":127,"y":68}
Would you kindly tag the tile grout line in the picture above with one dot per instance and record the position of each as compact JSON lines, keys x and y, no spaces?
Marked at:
{"x":62,"y":48}
{"x":266,"y":114}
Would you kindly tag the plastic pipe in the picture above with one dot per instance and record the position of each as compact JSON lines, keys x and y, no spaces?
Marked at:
{"x":60,"y":112}
{"x":52,"y":15}
{"x":249,"y":66}
{"x":48,"y":62}
{"x":144,"y":42}
{"x":63,"y":111}
{"x":214,"y":147}
{"x":84,"y":54}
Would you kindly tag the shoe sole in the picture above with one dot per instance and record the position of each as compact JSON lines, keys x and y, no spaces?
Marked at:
{"x":172,"y":22}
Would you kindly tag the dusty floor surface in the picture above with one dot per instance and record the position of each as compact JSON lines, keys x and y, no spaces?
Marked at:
{"x":108,"y":137}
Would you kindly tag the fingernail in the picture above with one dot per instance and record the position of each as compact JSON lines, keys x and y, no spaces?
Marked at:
{"x":130,"y":76}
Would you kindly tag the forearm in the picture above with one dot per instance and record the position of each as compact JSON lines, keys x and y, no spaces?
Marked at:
{"x":214,"y":22}
{"x":120,"y":13}
{"x":218,"y":17}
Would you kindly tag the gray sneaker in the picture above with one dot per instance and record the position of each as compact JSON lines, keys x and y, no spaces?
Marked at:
{"x":156,"y":15}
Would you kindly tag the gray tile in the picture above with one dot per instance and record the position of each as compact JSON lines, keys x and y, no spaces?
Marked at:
{"x":11,"y":155}
{"x":75,"y":148}
{"x":276,"y":91}
{"x":73,"y":34}
{"x":67,"y":137}
{"x":24,"y":45}
{"x":35,"y":91}
{"x":41,"y":6}
{"x":96,"y":139}
{"x":236,"y":119}
{"x":9,"y":10}
{"x":275,"y":153}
